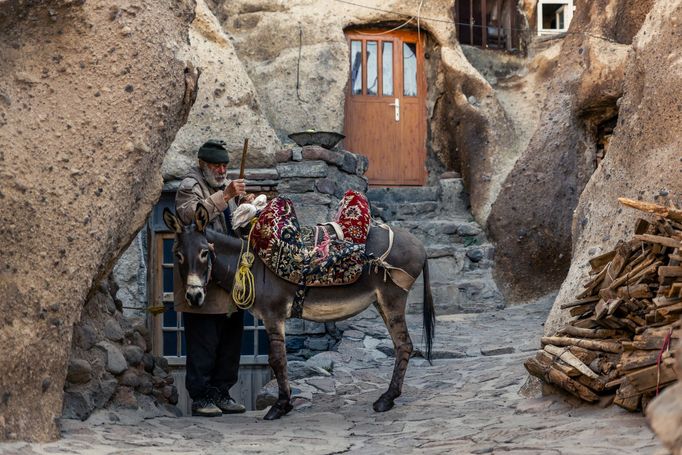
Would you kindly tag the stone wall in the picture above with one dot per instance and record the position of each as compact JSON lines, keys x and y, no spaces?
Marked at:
{"x":111,"y":364}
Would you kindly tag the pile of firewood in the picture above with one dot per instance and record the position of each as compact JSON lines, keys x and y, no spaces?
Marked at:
{"x":620,"y":346}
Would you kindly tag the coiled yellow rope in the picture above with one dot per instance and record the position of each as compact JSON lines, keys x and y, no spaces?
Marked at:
{"x":244,"y":290}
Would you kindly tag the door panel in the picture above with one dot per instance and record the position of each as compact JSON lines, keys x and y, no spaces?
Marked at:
{"x":385,"y":106}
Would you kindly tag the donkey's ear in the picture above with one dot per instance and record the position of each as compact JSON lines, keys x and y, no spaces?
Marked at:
{"x":201,"y":217}
{"x":171,"y":221}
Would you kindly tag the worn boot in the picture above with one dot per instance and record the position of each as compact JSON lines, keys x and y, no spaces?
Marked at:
{"x":205,"y":407}
{"x":227,"y":404}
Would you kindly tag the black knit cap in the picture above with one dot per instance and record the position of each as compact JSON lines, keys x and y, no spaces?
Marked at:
{"x":213,"y":151}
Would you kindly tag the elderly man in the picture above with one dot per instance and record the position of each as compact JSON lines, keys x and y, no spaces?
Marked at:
{"x":213,"y":332}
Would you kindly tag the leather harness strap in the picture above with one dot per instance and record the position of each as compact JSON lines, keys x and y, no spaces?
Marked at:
{"x":400,"y":277}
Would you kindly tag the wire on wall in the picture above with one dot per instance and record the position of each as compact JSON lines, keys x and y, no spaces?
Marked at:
{"x":465,"y":24}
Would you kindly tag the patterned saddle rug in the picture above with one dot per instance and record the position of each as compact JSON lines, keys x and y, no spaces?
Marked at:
{"x":320,"y":255}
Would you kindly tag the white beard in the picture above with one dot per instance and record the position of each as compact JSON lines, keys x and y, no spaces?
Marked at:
{"x":213,"y":180}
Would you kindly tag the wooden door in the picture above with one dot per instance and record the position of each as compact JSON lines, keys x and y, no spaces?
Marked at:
{"x":385,"y":115}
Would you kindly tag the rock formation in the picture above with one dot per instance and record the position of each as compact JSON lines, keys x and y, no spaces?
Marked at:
{"x":643,"y":162}
{"x":91,"y":96}
{"x":530,"y":220}
{"x":227,"y":105}
{"x":643,"y":159}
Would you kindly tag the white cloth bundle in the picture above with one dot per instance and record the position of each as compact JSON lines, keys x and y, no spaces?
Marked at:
{"x":243,"y":214}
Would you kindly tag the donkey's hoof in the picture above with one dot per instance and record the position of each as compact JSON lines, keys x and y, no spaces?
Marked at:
{"x":383,"y":404}
{"x":277,"y":410}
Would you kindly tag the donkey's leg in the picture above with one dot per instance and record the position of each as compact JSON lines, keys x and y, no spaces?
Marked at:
{"x":278,"y":363}
{"x":392,"y":310}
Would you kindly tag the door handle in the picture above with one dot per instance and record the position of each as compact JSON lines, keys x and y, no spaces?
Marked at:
{"x":397,"y":109}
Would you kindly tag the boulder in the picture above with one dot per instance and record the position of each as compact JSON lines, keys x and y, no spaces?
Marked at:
{"x":133,"y":354}
{"x":79,"y":371}
{"x":113,"y":330}
{"x":84,"y":85}
{"x":116,"y":363}
{"x":530,"y":221}
{"x":227,"y":105}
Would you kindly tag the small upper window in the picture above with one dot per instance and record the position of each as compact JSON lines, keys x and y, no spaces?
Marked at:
{"x":554,"y":16}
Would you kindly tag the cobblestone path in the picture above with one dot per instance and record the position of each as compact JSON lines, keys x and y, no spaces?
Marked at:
{"x":467,"y":402}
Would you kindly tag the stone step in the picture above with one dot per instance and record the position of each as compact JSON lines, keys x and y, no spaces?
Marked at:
{"x":481,"y":254}
{"x":441,"y":226}
{"x":403,"y":194}
{"x":405,"y":210}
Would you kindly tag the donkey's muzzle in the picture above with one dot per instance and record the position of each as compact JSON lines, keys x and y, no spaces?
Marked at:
{"x":195,"y":296}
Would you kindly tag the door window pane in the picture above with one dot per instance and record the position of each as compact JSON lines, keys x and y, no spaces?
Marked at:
{"x":170,"y":317}
{"x":263,"y":343}
{"x":168,"y":279}
{"x":168,"y":250}
{"x":387,"y":68}
{"x":356,"y":67}
{"x":372,"y":68}
{"x":170,"y":343}
{"x":410,"y":69}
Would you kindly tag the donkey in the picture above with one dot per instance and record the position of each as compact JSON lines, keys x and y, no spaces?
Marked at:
{"x":202,"y":254}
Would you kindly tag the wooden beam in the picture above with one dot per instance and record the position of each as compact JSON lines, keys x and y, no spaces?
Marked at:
{"x":666,"y":212}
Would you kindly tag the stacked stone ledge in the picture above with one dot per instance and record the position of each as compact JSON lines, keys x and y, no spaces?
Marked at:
{"x":315,"y":179}
{"x":111,"y":363}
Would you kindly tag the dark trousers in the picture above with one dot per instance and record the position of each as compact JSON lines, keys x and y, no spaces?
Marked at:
{"x":213,"y":349}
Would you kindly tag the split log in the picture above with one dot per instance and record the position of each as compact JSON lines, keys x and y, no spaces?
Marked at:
{"x":592,"y":285}
{"x":616,"y":265}
{"x":637,"y":291}
{"x":597,"y":263}
{"x":661,"y":240}
{"x":646,"y":379}
{"x":627,"y":397}
{"x":670,"y":271}
{"x":584,"y":301}
{"x":632,"y":360}
{"x":675,"y":290}
{"x":589,"y":333}
{"x":553,"y":376}
{"x":606,"y":346}
{"x":566,"y":356}
{"x":671,"y":309}
{"x":666,"y":212}
{"x":582,"y":309}
{"x":666,"y":301}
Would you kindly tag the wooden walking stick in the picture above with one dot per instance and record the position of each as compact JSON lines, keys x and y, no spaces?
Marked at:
{"x":243,"y":163}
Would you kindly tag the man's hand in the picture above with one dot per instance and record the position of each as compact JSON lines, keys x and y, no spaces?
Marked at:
{"x":249,"y":198}
{"x":235,"y":188}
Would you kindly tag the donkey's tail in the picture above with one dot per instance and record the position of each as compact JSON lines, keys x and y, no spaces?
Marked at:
{"x":429,"y":313}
